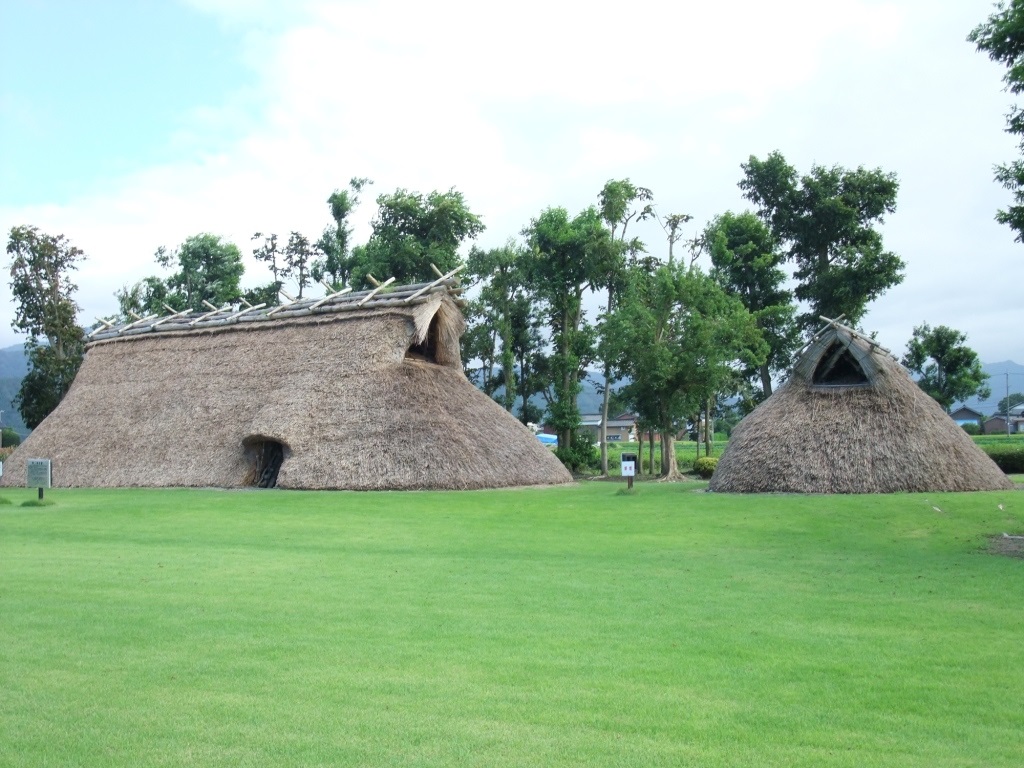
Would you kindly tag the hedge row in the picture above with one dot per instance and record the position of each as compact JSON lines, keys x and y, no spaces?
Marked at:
{"x":1009,"y":458}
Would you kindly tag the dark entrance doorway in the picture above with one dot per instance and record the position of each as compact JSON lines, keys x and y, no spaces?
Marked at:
{"x":266,"y":456}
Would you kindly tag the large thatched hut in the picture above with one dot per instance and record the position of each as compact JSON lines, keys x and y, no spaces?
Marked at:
{"x":851,"y":420}
{"x":361,"y":391}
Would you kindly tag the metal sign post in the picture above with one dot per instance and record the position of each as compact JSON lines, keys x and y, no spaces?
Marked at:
{"x":38,"y":474}
{"x":629,"y":468}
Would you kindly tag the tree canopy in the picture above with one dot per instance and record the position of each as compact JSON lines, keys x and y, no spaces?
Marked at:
{"x":828,"y":218}
{"x":499,"y":274}
{"x":1009,"y":401}
{"x":205,"y":269}
{"x":335,"y":245}
{"x":680,"y":338}
{"x":747,"y":263}
{"x":566,"y":259}
{"x":413,"y":231}
{"x":621,"y":202}
{"x":1001,"y":36}
{"x":45,"y":309}
{"x":947,"y":368}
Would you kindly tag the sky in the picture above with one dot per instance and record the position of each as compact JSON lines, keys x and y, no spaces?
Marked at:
{"x":127,"y":126}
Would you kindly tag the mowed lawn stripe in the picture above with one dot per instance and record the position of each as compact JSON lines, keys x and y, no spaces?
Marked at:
{"x":557,"y":626}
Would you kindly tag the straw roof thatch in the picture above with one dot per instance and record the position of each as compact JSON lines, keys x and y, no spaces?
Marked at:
{"x":362,"y":391}
{"x":851,"y":420}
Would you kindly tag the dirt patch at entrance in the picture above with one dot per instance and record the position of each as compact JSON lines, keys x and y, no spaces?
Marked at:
{"x":1004,"y":544}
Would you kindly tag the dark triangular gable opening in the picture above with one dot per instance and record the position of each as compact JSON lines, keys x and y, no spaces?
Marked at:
{"x":839,"y":368}
{"x":426,"y":351}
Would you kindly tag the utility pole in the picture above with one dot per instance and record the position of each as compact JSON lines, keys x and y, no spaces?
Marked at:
{"x":1007,"y":414}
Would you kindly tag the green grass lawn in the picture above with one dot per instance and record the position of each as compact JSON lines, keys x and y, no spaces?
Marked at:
{"x":544,"y":627}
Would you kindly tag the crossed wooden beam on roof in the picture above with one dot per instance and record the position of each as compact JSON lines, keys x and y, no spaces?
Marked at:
{"x":230,"y":313}
{"x":852,"y":331}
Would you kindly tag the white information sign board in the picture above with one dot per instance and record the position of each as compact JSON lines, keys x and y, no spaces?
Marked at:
{"x":38,"y":473}
{"x":628,"y":469}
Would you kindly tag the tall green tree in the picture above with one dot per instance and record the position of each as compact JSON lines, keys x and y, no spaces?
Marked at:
{"x":499,"y":273}
{"x":947,"y":368}
{"x":149,"y":296}
{"x":208,"y":268}
{"x":270,"y":254}
{"x":672,"y":225}
{"x":566,"y":259}
{"x":413,"y":231}
{"x":1001,"y":36}
{"x":335,"y":245}
{"x":829,"y":221}
{"x":205,"y":268}
{"x":480,"y":349}
{"x":533,"y":365}
{"x":680,"y":338}
{"x":45,"y":309}
{"x":505,"y":332}
{"x":298,"y":258}
{"x":747,"y":262}
{"x":621,"y":202}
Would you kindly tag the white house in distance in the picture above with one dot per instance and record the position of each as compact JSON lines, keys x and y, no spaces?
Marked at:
{"x":621,"y":428}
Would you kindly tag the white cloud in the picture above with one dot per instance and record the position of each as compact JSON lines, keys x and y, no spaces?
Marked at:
{"x":539,"y":103}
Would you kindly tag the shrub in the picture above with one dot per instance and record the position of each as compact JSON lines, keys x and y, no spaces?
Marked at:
{"x":971,"y":428}
{"x":705,"y":466}
{"x":9,"y":438}
{"x":580,"y":455}
{"x":1008,"y":457}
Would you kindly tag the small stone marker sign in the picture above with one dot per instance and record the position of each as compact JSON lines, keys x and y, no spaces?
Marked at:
{"x":38,"y":473}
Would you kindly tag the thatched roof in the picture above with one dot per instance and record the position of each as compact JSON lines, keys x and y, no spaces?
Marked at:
{"x":851,"y":420}
{"x":354,"y":393}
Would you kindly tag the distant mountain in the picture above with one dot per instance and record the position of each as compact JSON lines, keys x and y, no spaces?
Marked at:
{"x":13,"y":362}
{"x":13,"y":367}
{"x":10,"y":417}
{"x":1001,"y":375}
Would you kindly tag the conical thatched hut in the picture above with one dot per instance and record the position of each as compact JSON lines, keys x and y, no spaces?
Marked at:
{"x":851,"y":420}
{"x":360,"y":391}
